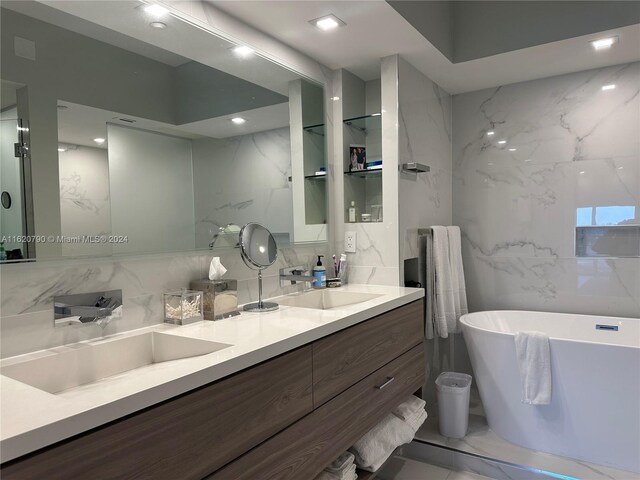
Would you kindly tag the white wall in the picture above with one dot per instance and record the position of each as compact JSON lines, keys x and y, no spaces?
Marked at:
{"x":84,"y":199}
{"x":151,"y":184}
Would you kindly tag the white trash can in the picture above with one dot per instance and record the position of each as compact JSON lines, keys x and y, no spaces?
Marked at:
{"x":453,"y":403}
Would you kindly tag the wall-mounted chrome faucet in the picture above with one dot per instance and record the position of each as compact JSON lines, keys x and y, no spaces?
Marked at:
{"x":294,"y":275}
{"x":96,"y":308}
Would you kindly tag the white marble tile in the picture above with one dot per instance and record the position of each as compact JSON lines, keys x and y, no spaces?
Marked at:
{"x":425,"y":136}
{"x":577,"y":147}
{"x":557,"y":119}
{"x":425,"y":119}
{"x":483,"y":442}
{"x":596,"y":286}
{"x":373,"y":275}
{"x":532,"y":209}
{"x":241,"y":179}
{"x":399,"y":468}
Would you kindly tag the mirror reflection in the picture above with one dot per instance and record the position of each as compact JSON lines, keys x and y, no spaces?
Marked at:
{"x":142,"y":133}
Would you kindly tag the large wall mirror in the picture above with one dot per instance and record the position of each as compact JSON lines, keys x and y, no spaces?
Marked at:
{"x":127,"y":130}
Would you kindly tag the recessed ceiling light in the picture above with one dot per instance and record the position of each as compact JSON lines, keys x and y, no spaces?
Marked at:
{"x":608,"y":87}
{"x":60,"y":149}
{"x":491,"y":133}
{"x":513,"y":149}
{"x":158,"y":25}
{"x":604,"y":43}
{"x":99,"y":140}
{"x":620,"y":168}
{"x":581,"y":172}
{"x":502,"y":142}
{"x":335,"y":99}
{"x":238,"y":120}
{"x":155,"y":10}
{"x":328,"y":22}
{"x":242,"y":50}
{"x":376,"y":114}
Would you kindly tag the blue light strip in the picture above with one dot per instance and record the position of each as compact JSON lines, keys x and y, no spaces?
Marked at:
{"x":552,"y":474}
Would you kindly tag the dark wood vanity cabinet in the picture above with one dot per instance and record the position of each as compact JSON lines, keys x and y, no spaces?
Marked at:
{"x":286,"y":418}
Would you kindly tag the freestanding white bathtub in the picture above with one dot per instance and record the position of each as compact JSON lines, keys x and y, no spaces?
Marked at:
{"x":594,"y":413}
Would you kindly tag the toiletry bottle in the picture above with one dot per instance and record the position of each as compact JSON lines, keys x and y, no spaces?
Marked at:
{"x":320,"y":274}
{"x":352,"y":212}
{"x":3,"y":253}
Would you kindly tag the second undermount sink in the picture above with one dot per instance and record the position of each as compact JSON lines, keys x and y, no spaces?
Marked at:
{"x":91,"y":362}
{"x":325,"y":299}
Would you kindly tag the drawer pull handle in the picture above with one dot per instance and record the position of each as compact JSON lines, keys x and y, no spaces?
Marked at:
{"x":389,"y":380}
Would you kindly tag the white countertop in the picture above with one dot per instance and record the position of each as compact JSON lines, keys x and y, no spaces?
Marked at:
{"x":31,"y":418}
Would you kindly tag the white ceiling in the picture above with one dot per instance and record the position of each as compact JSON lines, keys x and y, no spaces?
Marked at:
{"x":374,"y":30}
{"x":124,"y":24}
{"x":80,"y":124}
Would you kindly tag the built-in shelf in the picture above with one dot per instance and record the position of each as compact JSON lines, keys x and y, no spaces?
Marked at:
{"x":365,"y":123}
{"x":364,"y":187}
{"x":364,"y":173}
{"x":316,"y":177}
{"x":315,"y":129}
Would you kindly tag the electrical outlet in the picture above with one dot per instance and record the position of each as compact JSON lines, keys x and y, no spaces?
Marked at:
{"x":350,"y":242}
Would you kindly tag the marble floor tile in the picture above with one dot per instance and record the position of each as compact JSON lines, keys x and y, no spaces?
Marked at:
{"x":401,"y":468}
{"x":483,"y":442}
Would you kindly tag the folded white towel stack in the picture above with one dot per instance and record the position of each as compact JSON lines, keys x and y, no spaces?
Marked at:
{"x":412,"y":412}
{"x":534,"y":363}
{"x":342,"y":468}
{"x":377,"y":445}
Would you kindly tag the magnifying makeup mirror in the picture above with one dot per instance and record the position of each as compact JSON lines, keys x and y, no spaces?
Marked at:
{"x":259,"y":251}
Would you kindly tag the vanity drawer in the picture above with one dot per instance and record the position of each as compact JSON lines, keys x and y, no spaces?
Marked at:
{"x":346,"y":357}
{"x":306,"y":447}
{"x":188,"y":437}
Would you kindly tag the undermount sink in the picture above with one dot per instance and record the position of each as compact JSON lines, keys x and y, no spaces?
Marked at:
{"x":325,"y":299}
{"x":90,"y":363}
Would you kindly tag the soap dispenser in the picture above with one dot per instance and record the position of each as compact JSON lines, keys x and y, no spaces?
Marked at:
{"x":320,"y":274}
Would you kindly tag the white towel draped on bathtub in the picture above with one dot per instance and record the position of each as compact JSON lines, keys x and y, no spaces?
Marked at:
{"x":534,"y":363}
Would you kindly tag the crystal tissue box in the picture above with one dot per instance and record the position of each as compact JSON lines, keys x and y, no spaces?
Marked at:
{"x":183,"y":307}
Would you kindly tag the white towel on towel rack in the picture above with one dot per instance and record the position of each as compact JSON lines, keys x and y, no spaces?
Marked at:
{"x":444,"y":308}
{"x":457,"y":273}
{"x":446,"y":296}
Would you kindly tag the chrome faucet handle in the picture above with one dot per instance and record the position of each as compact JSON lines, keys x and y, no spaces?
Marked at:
{"x":294,"y":274}
{"x":97,"y":308}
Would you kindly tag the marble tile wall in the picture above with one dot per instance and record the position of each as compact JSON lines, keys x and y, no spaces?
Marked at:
{"x":85,"y":208}
{"x":425,"y":137}
{"x":27,"y":291}
{"x":576,"y":146}
{"x":242,"y":179}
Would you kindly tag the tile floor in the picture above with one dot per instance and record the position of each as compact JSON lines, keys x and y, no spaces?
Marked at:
{"x":400,"y":468}
{"x":482,"y":441}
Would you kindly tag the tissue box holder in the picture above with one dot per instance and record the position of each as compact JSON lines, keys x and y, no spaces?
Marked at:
{"x":220,"y":298}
